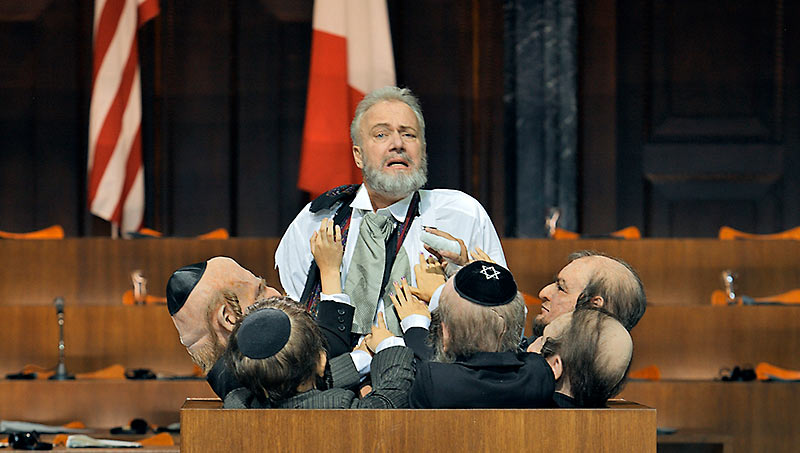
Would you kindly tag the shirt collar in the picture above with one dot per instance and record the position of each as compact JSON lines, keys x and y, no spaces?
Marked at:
{"x":398,"y":210}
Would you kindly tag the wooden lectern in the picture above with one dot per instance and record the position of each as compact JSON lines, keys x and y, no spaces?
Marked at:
{"x":623,"y":427}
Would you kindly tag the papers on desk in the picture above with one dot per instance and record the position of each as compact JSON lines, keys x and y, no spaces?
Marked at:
{"x":84,"y":441}
{"x":9,"y":426}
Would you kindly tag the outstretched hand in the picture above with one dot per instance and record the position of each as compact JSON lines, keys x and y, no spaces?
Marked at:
{"x":480,"y":255}
{"x":406,"y":304}
{"x":461,"y":259}
{"x":430,"y":275}
{"x":378,"y":334}
{"x":326,"y":246}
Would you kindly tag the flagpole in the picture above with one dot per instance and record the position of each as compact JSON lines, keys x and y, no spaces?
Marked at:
{"x":114,"y":231}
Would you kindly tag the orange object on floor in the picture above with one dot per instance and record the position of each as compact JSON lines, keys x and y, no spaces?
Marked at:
{"x":628,"y":233}
{"x":766,"y":371}
{"x":219,"y":233}
{"x":127,"y":299}
{"x":719,"y":298}
{"x":728,"y":233}
{"x":789,"y":297}
{"x":159,"y":439}
{"x":60,"y":439}
{"x":53,"y":232}
{"x":650,"y":373}
{"x":115,"y":371}
{"x":149,"y":232}
{"x":561,"y":233}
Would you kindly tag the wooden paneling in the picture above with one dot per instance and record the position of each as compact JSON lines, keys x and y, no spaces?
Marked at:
{"x":626,"y":427}
{"x":97,"y":271}
{"x":691,"y":342}
{"x":674,"y":272}
{"x":706,"y":100}
{"x":98,"y":404}
{"x":759,"y":416}
{"x":95,"y":337}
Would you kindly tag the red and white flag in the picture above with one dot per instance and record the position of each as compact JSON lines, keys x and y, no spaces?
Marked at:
{"x":351,"y":55}
{"x":116,"y":174}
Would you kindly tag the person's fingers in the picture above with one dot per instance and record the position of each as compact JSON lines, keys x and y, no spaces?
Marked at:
{"x":433,"y":252}
{"x":406,"y":288}
{"x":381,"y":322}
{"x":422,"y":260}
{"x":440,"y":233}
{"x":331,"y":230}
{"x":399,"y":292}
{"x":338,"y":233}
{"x":313,"y":241}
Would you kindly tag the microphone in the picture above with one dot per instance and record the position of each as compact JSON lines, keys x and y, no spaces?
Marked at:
{"x":61,"y":370}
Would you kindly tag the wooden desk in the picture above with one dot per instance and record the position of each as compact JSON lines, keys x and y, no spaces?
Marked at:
{"x":97,"y":403}
{"x":206,"y":427}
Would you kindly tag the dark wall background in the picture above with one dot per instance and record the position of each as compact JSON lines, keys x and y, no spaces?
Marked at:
{"x":688,"y":112}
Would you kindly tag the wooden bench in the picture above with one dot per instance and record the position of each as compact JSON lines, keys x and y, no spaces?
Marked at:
{"x":624,"y":426}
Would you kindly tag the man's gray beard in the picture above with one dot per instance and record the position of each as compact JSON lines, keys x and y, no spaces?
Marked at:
{"x":400,"y":185}
{"x":207,"y":356}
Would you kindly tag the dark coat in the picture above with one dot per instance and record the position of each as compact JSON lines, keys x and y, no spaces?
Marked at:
{"x":392,"y":375}
{"x":485,"y":380}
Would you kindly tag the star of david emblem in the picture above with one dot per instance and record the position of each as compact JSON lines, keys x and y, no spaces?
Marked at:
{"x":486,"y":272}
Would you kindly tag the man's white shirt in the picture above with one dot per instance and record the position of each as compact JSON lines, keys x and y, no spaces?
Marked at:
{"x":448,"y":210}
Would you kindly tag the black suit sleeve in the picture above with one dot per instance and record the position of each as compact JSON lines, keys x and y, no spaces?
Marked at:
{"x":335,"y":320}
{"x":416,"y":338}
{"x":392,"y":377}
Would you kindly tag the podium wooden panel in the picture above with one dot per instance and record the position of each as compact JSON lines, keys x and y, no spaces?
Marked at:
{"x":206,"y":427}
{"x":96,"y":271}
{"x":694,"y":342}
{"x":761,"y":416}
{"x":97,"y":403}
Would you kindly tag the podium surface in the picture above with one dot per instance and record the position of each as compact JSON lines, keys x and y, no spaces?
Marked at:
{"x":624,"y":426}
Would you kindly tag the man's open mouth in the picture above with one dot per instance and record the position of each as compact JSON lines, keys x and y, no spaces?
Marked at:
{"x":395,"y":163}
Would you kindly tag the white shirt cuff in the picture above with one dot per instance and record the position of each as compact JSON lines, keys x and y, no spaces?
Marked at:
{"x":362,"y":360}
{"x":435,"y":298}
{"x":388,"y":343}
{"x":338,"y":297}
{"x":415,"y":320}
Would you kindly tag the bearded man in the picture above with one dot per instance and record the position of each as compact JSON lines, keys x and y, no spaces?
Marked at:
{"x":382,"y":220}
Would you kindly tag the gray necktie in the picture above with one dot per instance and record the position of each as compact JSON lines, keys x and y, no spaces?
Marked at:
{"x":365,"y":274}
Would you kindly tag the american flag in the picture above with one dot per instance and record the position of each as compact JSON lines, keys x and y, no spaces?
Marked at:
{"x":116,"y":174}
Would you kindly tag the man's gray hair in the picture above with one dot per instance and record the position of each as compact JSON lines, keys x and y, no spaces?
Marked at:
{"x":387,"y":93}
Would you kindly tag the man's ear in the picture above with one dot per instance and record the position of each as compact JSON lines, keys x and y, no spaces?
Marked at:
{"x":358,"y":156}
{"x":597,"y":301}
{"x":323,"y":360}
{"x":556,"y":365}
{"x":226,"y":317}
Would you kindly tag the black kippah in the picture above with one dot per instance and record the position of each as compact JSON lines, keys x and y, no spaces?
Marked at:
{"x":263,"y":333}
{"x":485,"y":283}
{"x":181,"y":283}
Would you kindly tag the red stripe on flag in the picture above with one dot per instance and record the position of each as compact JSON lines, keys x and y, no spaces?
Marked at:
{"x":106,"y":28}
{"x":112,"y":125}
{"x":132,"y":167}
{"x":147,"y":10}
